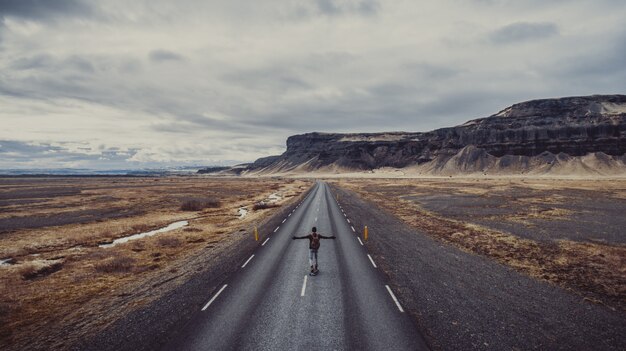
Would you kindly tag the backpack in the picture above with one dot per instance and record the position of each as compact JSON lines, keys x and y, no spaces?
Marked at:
{"x":315,"y":241}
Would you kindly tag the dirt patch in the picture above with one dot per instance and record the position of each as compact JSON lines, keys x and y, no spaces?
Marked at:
{"x":537,"y":214}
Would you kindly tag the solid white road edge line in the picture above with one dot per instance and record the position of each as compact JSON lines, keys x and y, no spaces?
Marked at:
{"x":353,"y":229}
{"x":214,"y":297}
{"x":248,"y":260}
{"x":371,"y":260}
{"x":275,"y":230}
{"x":360,"y":242}
{"x":304,"y":285}
{"x":265,"y":241}
{"x":394,"y":298}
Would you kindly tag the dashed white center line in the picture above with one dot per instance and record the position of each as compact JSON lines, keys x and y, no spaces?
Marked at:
{"x":360,"y":242}
{"x":345,"y":215}
{"x":284,"y":220}
{"x":248,"y":260}
{"x":289,"y":215}
{"x":348,"y":220}
{"x":275,"y":230}
{"x":214,"y":297}
{"x":394,"y":298}
{"x":353,"y":229}
{"x":371,"y":260}
{"x":265,"y":241}
{"x":304,"y":285}
{"x":316,"y":219}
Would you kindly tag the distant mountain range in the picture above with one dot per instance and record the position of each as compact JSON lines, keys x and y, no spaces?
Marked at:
{"x":99,"y":172}
{"x":583,"y":135}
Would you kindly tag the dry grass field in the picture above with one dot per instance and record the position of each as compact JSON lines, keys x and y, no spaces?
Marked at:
{"x":566,"y":232}
{"x":57,"y":285}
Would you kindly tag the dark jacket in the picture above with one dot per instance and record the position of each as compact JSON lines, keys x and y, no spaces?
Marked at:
{"x":310,"y":237}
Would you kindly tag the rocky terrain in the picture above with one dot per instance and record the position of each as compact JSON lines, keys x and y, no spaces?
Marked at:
{"x":566,"y":136}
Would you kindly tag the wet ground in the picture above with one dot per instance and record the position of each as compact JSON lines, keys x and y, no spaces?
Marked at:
{"x":69,"y":217}
{"x":542,"y":215}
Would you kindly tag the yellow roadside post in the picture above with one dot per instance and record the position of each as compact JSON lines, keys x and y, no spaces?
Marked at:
{"x":256,"y":234}
{"x":365,"y":233}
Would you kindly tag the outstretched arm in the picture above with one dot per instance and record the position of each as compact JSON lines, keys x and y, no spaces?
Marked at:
{"x":300,"y":237}
{"x":328,"y":237}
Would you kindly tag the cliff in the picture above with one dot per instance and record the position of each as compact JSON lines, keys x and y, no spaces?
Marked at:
{"x":573,"y":134}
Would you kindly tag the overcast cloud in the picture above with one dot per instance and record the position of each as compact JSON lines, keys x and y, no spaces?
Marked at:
{"x":118,"y":84}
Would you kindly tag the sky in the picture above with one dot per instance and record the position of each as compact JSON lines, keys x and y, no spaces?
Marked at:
{"x":145,"y":84}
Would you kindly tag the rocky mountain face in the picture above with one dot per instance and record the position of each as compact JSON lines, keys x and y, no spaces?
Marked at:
{"x":573,"y":134}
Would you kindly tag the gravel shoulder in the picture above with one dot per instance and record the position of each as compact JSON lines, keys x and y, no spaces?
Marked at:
{"x":466,"y":301}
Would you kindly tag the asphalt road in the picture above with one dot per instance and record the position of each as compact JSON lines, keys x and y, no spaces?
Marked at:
{"x":271,"y":303}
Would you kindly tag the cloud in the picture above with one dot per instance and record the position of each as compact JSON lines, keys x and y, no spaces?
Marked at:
{"x":523,"y":31}
{"x":164,"y":55}
{"x":47,"y":62}
{"x":161,"y":82}
{"x":43,"y":9}
{"x":338,"y":7}
{"x":334,"y":8}
{"x":271,"y":78}
{"x":18,"y":154}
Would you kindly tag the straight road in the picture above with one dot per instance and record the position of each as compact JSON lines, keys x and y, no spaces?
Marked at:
{"x":272,"y":304}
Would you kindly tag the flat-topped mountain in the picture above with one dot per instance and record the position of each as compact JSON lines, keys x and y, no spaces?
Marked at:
{"x":563,"y":136}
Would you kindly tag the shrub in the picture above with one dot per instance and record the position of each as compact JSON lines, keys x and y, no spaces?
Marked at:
{"x":199,"y":204}
{"x":31,"y":271}
{"x":169,"y":242}
{"x":263,"y":205}
{"x":118,"y":264}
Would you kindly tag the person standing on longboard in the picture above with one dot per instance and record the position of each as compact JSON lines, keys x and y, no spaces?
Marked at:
{"x":314,"y":245}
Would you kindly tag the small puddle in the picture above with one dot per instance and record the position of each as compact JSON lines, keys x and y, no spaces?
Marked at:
{"x":170,"y":227}
{"x":7,"y":262}
{"x":242,"y":212}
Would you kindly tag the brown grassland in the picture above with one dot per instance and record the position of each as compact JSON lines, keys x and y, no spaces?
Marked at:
{"x":588,"y":263}
{"x":61,"y":283}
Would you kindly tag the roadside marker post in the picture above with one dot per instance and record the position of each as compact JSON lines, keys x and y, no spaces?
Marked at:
{"x":365,"y":233}
{"x":256,"y":234}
